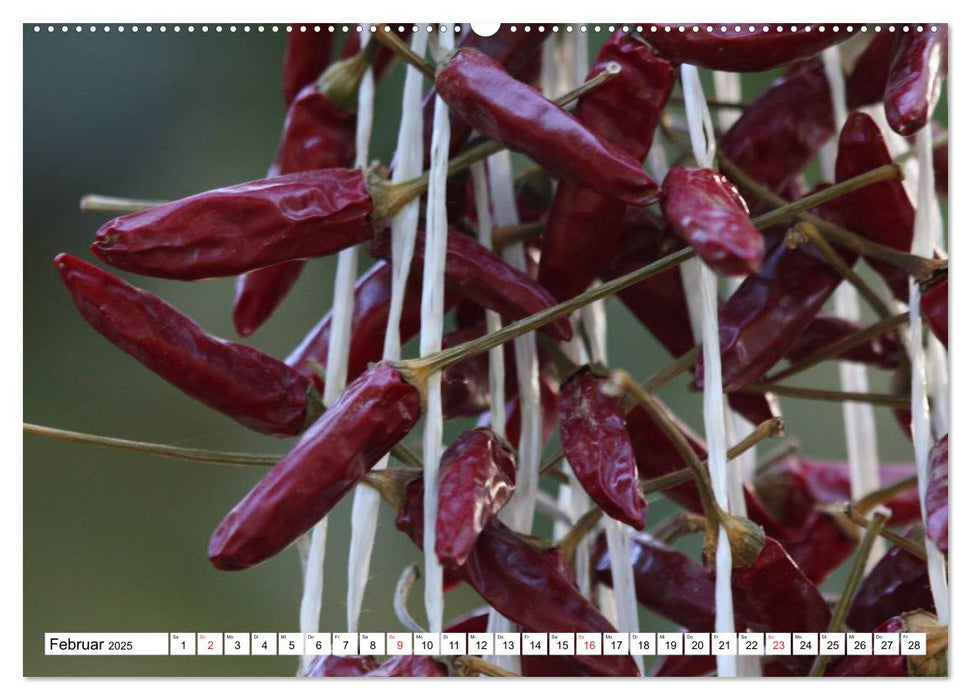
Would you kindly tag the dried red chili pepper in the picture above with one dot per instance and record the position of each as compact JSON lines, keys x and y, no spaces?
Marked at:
{"x":307,"y":55}
{"x":551,"y":667}
{"x":940,"y":158}
{"x":741,"y":49}
{"x":242,"y":227}
{"x":777,"y":136}
{"x":881,"y":212}
{"x":372,"y":415}
{"x":481,"y":92}
{"x":523,"y":584}
{"x":598,"y":448}
{"x":476,"y":479}
{"x":871,"y":665}
{"x":867,"y":81}
{"x":918,"y":68}
{"x":334,"y":666}
{"x":475,"y":273}
{"x":882,"y":351}
{"x":260,"y":292}
{"x":936,"y":498}
{"x":409,"y":667}
{"x":706,"y":210}
{"x":933,"y":306}
{"x":584,"y":226}
{"x":684,"y":666}
{"x":249,"y":386}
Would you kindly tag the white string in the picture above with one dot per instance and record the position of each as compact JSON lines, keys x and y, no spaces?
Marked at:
{"x":701,"y":289}
{"x":728,"y":88}
{"x":404,"y":226}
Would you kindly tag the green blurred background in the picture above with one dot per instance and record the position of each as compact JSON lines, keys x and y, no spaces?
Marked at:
{"x":116,"y":541}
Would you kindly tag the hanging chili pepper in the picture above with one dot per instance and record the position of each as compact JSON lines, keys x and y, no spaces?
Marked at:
{"x":777,"y":136}
{"x":250,"y":387}
{"x":741,"y":49}
{"x":242,"y":227}
{"x":936,"y":497}
{"x":584,"y":226}
{"x":307,"y":54}
{"x":340,"y":666}
{"x":475,"y":273}
{"x":706,"y":210}
{"x":867,"y":81}
{"x":384,"y":60}
{"x":476,"y":479}
{"x":598,"y":448}
{"x":917,"y":71}
{"x":871,"y":665}
{"x":409,"y":667}
{"x":481,"y":92}
{"x":882,"y":351}
{"x":933,"y":306}
{"x":372,"y":415}
{"x":881,"y":212}
{"x":522,"y":584}
{"x":684,"y":666}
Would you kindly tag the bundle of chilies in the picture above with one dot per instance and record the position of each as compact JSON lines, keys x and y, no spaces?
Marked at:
{"x":607,"y":219}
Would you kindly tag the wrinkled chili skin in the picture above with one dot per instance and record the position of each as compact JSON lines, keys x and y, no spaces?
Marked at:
{"x":372,"y":415}
{"x":872,"y":666}
{"x":867,"y":81}
{"x":243,"y":227}
{"x":482,"y":93}
{"x":666,"y":581}
{"x":897,"y":583}
{"x":583,"y":225}
{"x":477,"y":476}
{"x":777,"y":136}
{"x":260,"y":292}
{"x":883,"y":351}
{"x":523,"y":584}
{"x":742,"y":51}
{"x":410,"y":667}
{"x":245,"y":384}
{"x":914,"y":81}
{"x":334,"y":666}
{"x":475,"y":273}
{"x":598,"y":448}
{"x":933,"y":306}
{"x":706,"y":210}
{"x":936,"y":497}
{"x":881,"y":212}
{"x":769,"y":311}
{"x":306,"y":56}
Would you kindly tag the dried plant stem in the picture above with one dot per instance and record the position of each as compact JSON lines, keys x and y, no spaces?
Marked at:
{"x":118,"y":205}
{"x":855,"y":517}
{"x":891,"y":400}
{"x":401,"y":591}
{"x":884,"y":494}
{"x":474,"y":666}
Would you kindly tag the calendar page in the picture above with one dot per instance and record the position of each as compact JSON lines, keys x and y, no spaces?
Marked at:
{"x":409,"y":349}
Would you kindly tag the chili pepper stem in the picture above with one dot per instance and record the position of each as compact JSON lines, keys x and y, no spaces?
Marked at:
{"x":120,"y":205}
{"x":339,"y":83}
{"x":891,"y":400}
{"x":787,"y":450}
{"x":679,"y":525}
{"x":391,"y":484}
{"x":854,"y":516}
{"x":851,"y":586}
{"x":571,"y":540}
{"x":664,"y":375}
{"x":401,"y":590}
{"x":884,"y":494}
{"x":474,"y":666}
{"x":385,"y":36}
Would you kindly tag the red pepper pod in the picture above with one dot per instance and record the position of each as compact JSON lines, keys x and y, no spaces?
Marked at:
{"x":410,"y":667}
{"x":936,"y":498}
{"x":583,"y":225}
{"x":372,"y":415}
{"x":684,"y":666}
{"x":551,"y":667}
{"x":475,"y":273}
{"x":933,"y":306}
{"x":666,"y":581}
{"x":245,"y":384}
{"x":316,"y":135}
{"x":881,"y":212}
{"x":598,"y":448}
{"x":914,"y":82}
{"x":872,"y":665}
{"x":867,"y":81}
{"x":706,"y":210}
{"x":476,"y":479}
{"x":334,"y":666}
{"x":883,"y":351}
{"x":741,"y":49}
{"x":307,"y":54}
{"x":896,"y":584}
{"x":243,"y":227}
{"x":481,"y":92}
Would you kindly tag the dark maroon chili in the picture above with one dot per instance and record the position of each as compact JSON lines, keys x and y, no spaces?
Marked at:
{"x":933,"y":306}
{"x":917,"y":71}
{"x":684,"y":666}
{"x":742,"y":49}
{"x":896,"y":584}
{"x":475,"y":273}
{"x":523,"y":584}
{"x":883,"y":351}
{"x":936,"y":497}
{"x":551,"y":667}
{"x":881,"y":212}
{"x":871,"y":665}
{"x":480,"y":91}
{"x":340,"y":666}
{"x":867,"y":81}
{"x":307,"y":55}
{"x":777,"y":136}
{"x":372,"y":415}
{"x":598,"y":448}
{"x":940,"y":158}
{"x":465,"y":385}
{"x":245,"y":384}
{"x":474,"y":621}
{"x":818,"y":547}
{"x":243,"y":227}
{"x":260,"y":292}
{"x":706,"y":210}
{"x":477,"y":476}
{"x":384,"y":61}
{"x":409,"y":667}
{"x":316,"y":135}
{"x":666,"y":581}
{"x":584,"y":226}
